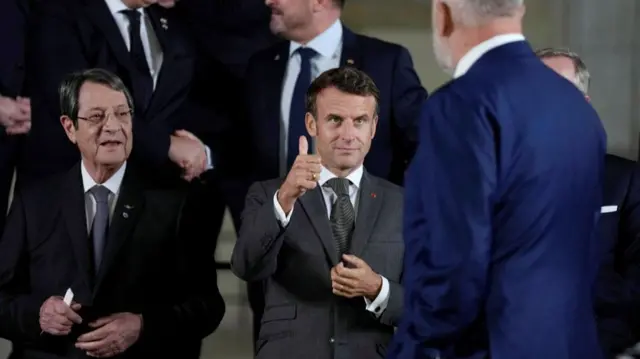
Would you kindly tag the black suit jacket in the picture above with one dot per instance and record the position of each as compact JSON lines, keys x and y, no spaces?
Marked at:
{"x":13,"y":30}
{"x":618,"y":283}
{"x":156,"y":263}
{"x":71,"y":35}
{"x":401,"y":96}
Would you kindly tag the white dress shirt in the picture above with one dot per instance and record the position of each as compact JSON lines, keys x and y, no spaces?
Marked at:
{"x":150,"y":44}
{"x":379,"y":304}
{"x":328,"y":45}
{"x":112,"y":184}
{"x":476,"y":52}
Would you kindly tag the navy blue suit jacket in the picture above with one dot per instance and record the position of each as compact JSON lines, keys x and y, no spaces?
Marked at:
{"x":619,"y":275}
{"x":401,"y":96}
{"x":501,"y":204}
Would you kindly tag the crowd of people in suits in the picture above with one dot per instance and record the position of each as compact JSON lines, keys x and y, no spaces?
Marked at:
{"x":373,"y":220}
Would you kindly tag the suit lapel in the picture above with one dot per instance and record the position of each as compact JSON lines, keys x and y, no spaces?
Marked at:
{"x":314,"y":206}
{"x":128,"y":207}
{"x":160,"y":26}
{"x":274,"y":72}
{"x":100,"y":15}
{"x":369,"y":206}
{"x":75,"y":218}
{"x":351,"y":54}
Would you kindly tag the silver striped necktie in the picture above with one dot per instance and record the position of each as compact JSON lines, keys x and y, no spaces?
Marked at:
{"x":342,"y":215}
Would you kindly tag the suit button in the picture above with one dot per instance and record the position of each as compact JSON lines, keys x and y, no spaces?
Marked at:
{"x":377,"y":309}
{"x":332,"y":340}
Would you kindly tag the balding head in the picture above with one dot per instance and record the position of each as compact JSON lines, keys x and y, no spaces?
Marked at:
{"x":568,"y":64}
{"x":459,"y":25}
{"x":476,"y":12}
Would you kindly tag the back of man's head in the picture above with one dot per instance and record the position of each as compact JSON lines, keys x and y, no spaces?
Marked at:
{"x":568,"y":64}
{"x":478,"y":12}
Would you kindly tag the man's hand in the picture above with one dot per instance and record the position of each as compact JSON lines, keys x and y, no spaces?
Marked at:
{"x":188,"y":152}
{"x":112,"y":335}
{"x":15,"y":115}
{"x":357,"y":281}
{"x":57,"y":318}
{"x":303,"y":177}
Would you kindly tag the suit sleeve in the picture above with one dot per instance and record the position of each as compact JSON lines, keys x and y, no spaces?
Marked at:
{"x":198,"y":305}
{"x":19,"y":310}
{"x":54,"y":50}
{"x":447,"y":226}
{"x":408,"y":95}
{"x":255,"y":255}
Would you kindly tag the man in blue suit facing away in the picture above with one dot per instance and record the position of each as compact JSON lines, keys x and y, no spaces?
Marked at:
{"x":502,"y":199}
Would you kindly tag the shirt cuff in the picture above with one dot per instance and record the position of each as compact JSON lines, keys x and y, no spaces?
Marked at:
{"x":207,"y":151}
{"x":380,"y":303}
{"x":280,"y":215}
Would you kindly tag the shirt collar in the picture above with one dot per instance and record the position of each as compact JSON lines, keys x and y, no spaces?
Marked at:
{"x":113,"y":183}
{"x":355,"y":177}
{"x":326,"y":44}
{"x":116,"y":6}
{"x":476,"y":53}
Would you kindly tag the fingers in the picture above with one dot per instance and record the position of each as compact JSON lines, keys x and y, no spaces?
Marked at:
{"x":303,"y":146}
{"x":354,"y":261}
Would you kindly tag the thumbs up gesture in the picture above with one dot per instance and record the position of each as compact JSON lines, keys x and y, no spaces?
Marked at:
{"x":303,"y":177}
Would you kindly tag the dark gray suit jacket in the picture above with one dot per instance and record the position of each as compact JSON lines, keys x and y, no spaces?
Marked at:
{"x":302,"y":317}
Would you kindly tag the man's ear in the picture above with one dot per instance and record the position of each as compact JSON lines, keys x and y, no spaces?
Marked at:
{"x":69,"y":128}
{"x":311,"y":124}
{"x":443,"y":19}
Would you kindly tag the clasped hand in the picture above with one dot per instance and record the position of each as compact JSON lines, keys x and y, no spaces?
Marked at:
{"x":112,"y":335}
{"x":357,"y":279}
{"x":15,"y":115}
{"x":188,"y":152}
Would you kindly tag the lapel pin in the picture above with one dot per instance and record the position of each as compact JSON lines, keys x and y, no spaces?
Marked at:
{"x":350,"y":62}
{"x":164,"y":23}
{"x":277,"y":58}
{"x":125,"y":215}
{"x":373,"y":195}
{"x":128,"y":206}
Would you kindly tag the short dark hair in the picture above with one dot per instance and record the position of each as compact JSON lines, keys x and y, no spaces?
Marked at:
{"x":69,"y":90}
{"x":340,"y":3}
{"x":583,"y":77}
{"x":347,"y":79}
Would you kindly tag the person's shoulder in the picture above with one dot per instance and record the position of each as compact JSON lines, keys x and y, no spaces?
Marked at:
{"x":377,"y":44}
{"x":44,"y":189}
{"x":268,"y":187}
{"x":270,"y":53}
{"x":620,"y":166}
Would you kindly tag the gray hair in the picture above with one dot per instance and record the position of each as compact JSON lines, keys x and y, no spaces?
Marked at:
{"x":478,"y":11}
{"x":582,"y":77}
{"x":69,"y":90}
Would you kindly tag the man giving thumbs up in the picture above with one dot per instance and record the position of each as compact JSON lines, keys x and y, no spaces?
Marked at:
{"x":302,"y":177}
{"x":326,"y":242}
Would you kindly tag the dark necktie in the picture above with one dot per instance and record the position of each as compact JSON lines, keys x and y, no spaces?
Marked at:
{"x":342,"y":214}
{"x":143,"y":79}
{"x":298,"y":111}
{"x":100,"y":223}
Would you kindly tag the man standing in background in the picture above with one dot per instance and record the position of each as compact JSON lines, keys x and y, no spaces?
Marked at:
{"x":619,"y":227}
{"x":502,"y":199}
{"x":277,"y":81}
{"x":15,"y":110}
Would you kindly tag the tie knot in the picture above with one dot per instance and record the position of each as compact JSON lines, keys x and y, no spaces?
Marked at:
{"x":339,"y":185}
{"x":131,"y":14}
{"x":100,"y":193}
{"x":306,"y":53}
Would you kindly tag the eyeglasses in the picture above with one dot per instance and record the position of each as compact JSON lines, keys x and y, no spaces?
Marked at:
{"x":123,"y":116}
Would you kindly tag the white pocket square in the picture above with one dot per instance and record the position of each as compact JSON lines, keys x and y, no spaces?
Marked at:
{"x":608,"y":209}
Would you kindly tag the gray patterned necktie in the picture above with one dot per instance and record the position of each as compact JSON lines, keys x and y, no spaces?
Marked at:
{"x":342,"y":214}
{"x":100,"y":223}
